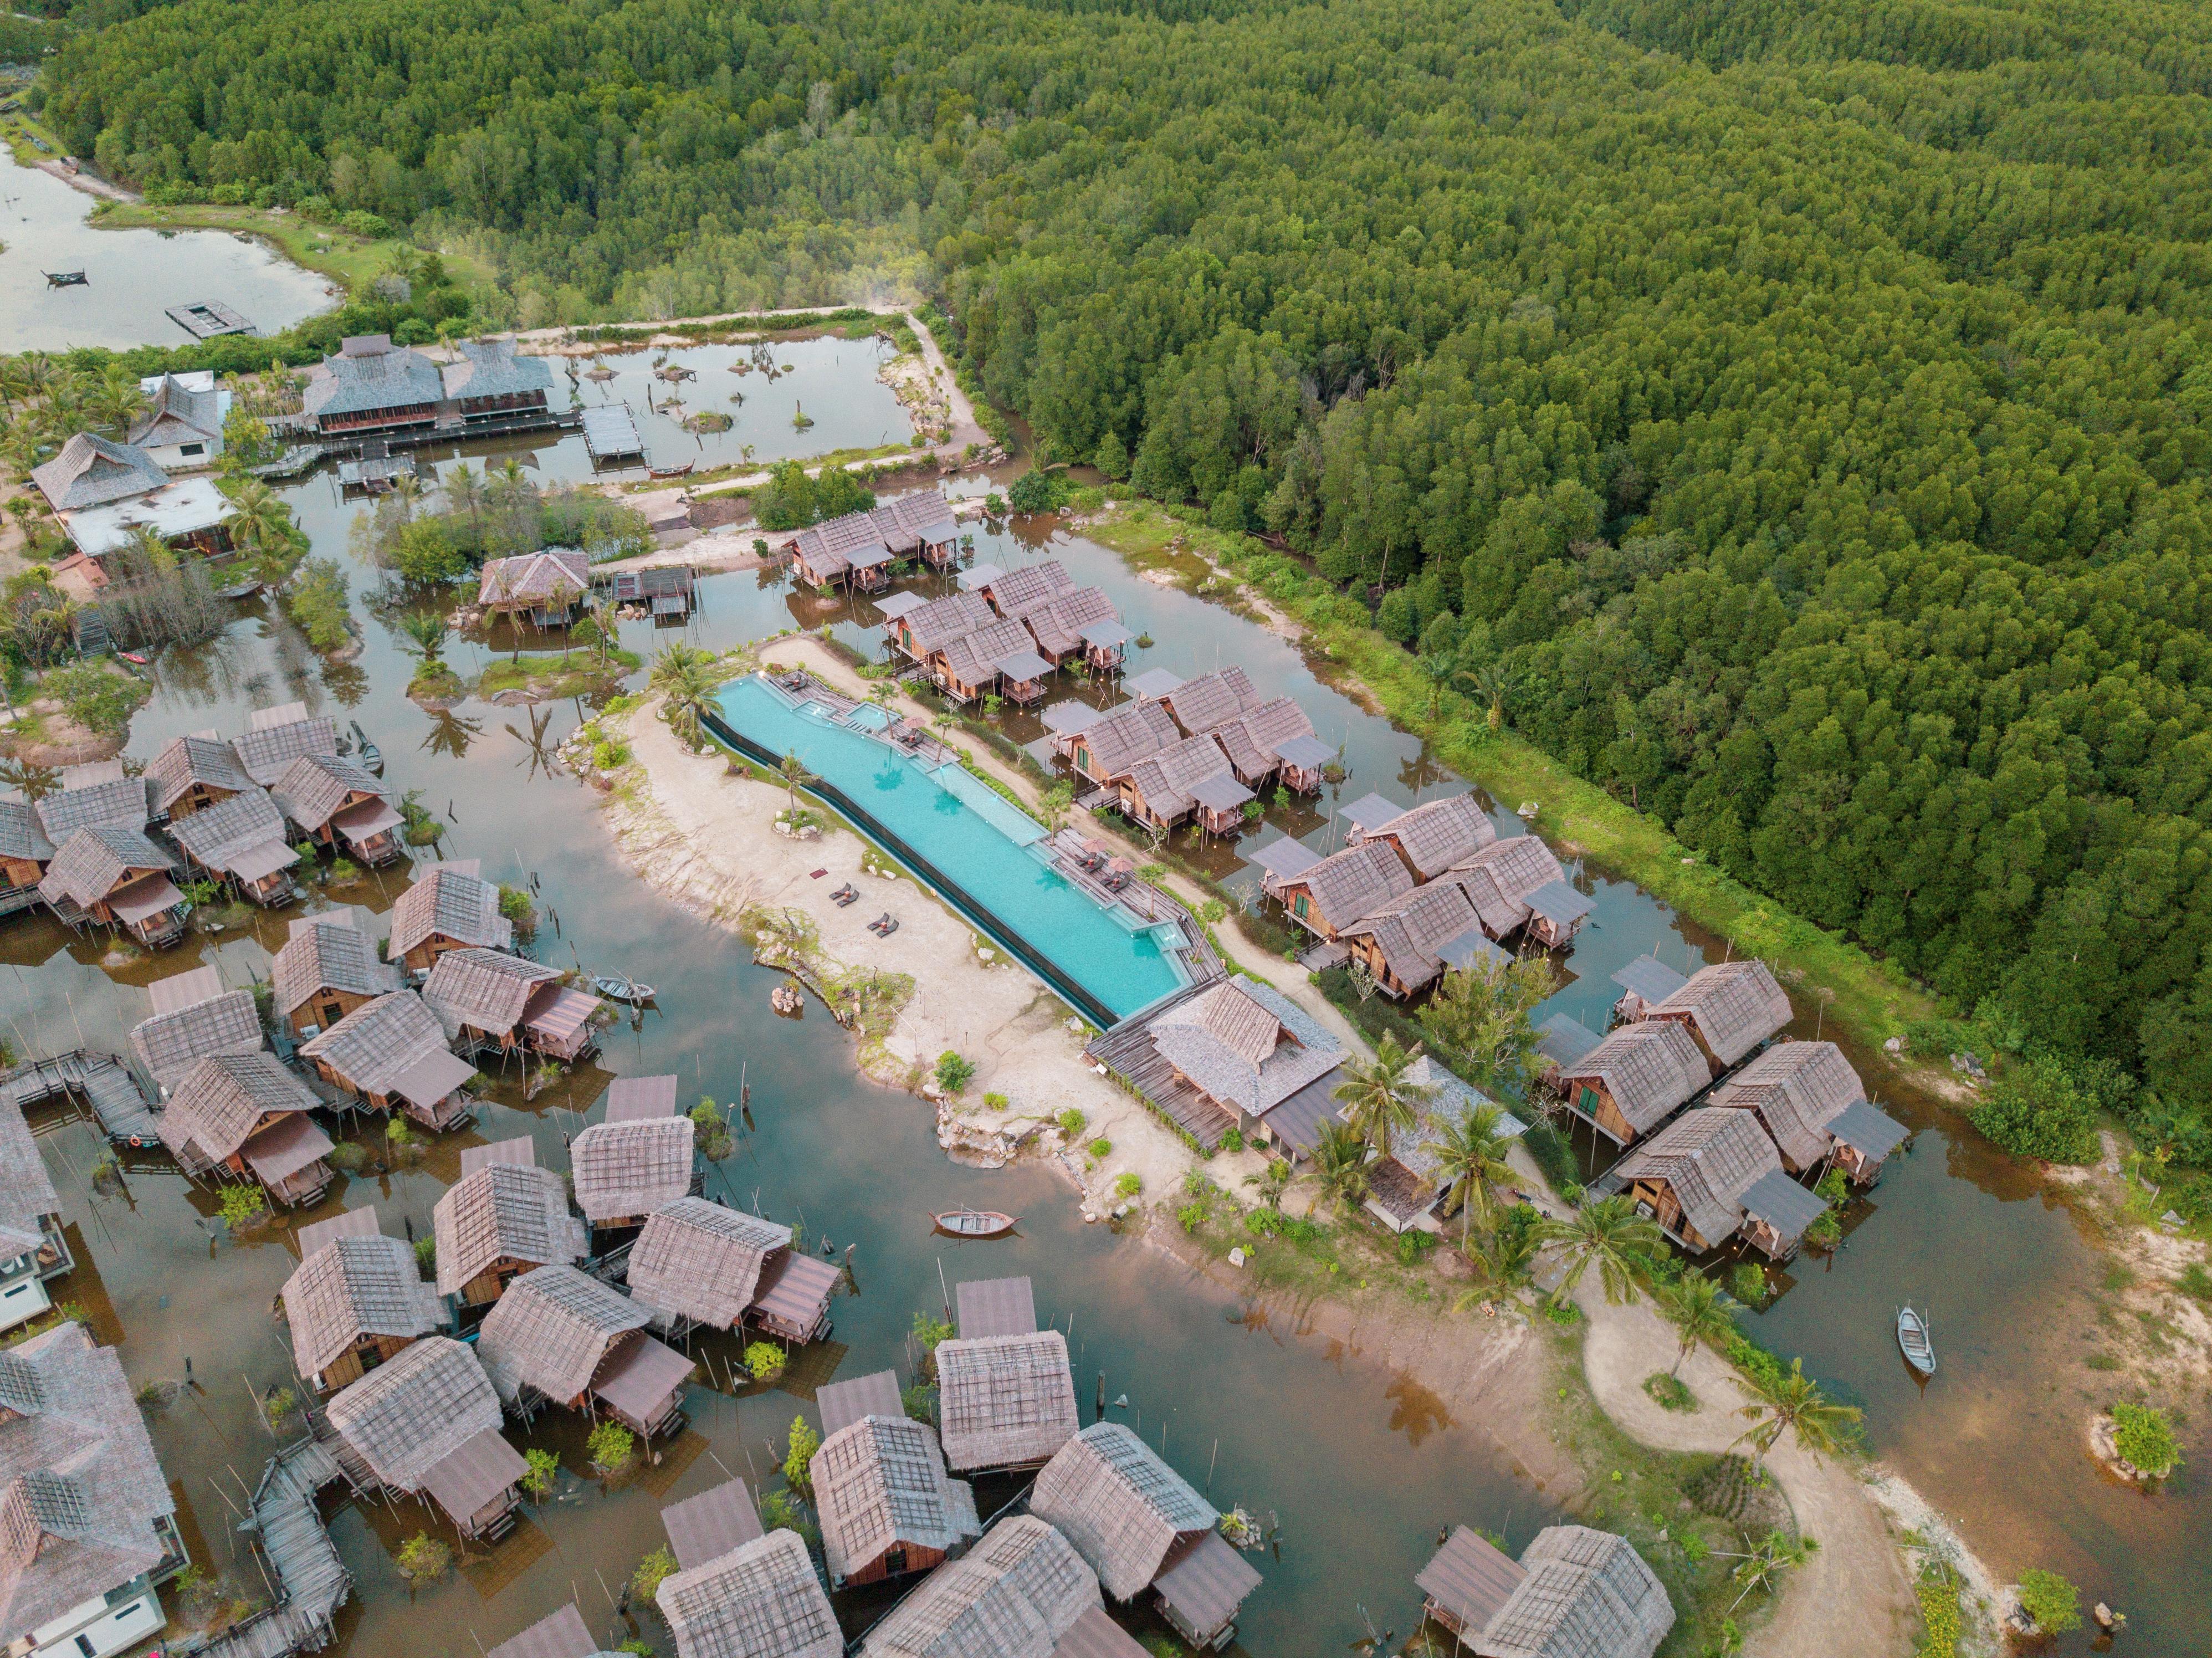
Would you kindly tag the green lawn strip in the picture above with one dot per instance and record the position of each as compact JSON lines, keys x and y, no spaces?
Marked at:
{"x":549,"y":675}
{"x":901,"y":451}
{"x":1871,"y":999}
{"x":350,"y":259}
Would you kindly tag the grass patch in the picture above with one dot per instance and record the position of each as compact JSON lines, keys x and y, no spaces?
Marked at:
{"x":552,"y":674}
{"x":899,"y":452}
{"x":2102,"y":1362}
{"x":352,"y":260}
{"x":1669,"y":1392}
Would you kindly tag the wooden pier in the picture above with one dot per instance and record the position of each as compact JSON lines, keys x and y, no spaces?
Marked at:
{"x":610,"y":436}
{"x":100,"y":1081}
{"x":313,"y":1581}
{"x":206,"y":318}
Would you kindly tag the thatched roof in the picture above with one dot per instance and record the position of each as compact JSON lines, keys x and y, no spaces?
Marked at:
{"x":393,"y":1045}
{"x":1277,"y":730}
{"x":1127,"y":735}
{"x":634,"y":1099}
{"x":974,"y":658}
{"x":564,"y":1634}
{"x":169,"y":1044}
{"x":93,"y":862}
{"x":21,"y":837}
{"x":699,"y":1261}
{"x":623,"y":1168}
{"x":1122,"y":1507}
{"x":266,"y":752}
{"x":97,"y":799}
{"x":1013,"y":1595}
{"x":1005,"y":1399}
{"x":453,"y":903}
{"x":1470,"y":1578}
{"x":704,"y":1528}
{"x":413,"y":1412}
{"x":503,"y":1212}
{"x":80,"y":1486}
{"x":1798,"y":1089}
{"x":552,"y":1330}
{"x":762,"y":1599}
{"x":92,"y":471}
{"x":1245,"y":1044}
{"x":1735,"y":1006}
{"x":994,"y":1307}
{"x":1434,"y":837}
{"x":909,"y":520}
{"x":316,"y":787}
{"x":1711,"y":1158}
{"x":1412,"y":931}
{"x":218,"y":1105}
{"x":1058,"y":624}
{"x":242,"y":835}
{"x":486,"y":990}
{"x":1202,"y":703}
{"x":495,"y":368}
{"x":27,"y":1191}
{"x":352,"y":1287}
{"x":1356,"y":882}
{"x":1501,"y":875}
{"x":844,"y":1403}
{"x":1191,"y":772}
{"x":881,"y":1483}
{"x":1649,"y":1069}
{"x":328,"y":953}
{"x":1027,"y":587}
{"x":535,"y":579}
{"x":184,"y":761}
{"x":851,"y":541}
{"x":1587,"y":1594}
{"x":941,"y":620}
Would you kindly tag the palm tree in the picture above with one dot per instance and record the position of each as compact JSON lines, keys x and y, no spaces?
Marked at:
{"x":1469,"y":1151}
{"x":604,"y":620}
{"x":258,"y":520}
{"x":1439,"y":668}
{"x":114,"y":399}
{"x":425,"y":629}
{"x":1378,"y":1100}
{"x":1609,"y":1234}
{"x":1763,"y":1567}
{"x":1505,"y":1256}
{"x":465,"y":493}
{"x":1339,"y":1164}
{"x":1794,"y":1403}
{"x":686,"y":689}
{"x":795,"y":777}
{"x":1495,"y":684}
{"x":1701,"y":1310}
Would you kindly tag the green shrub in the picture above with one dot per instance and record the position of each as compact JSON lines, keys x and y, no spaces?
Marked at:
{"x":371,"y":226}
{"x":1101,"y":1148}
{"x":1233,"y":1140}
{"x":765,"y":1361}
{"x":243,"y":1203}
{"x":1747,"y":1283}
{"x":1669,"y":1392}
{"x":2146,"y":1439}
{"x":953,"y":1072}
{"x":1128,"y":1183}
{"x":317,"y":599}
{"x":798,"y":1458}
{"x":2051,"y":1600}
{"x":612,"y":1448}
{"x":1073,"y":1122}
{"x":538,"y":1478}
{"x":919,"y":1403}
{"x":2039,"y":1109}
{"x":656,"y":1569}
{"x":351,"y":1156}
{"x":997,"y":1103}
{"x":422,"y":1558}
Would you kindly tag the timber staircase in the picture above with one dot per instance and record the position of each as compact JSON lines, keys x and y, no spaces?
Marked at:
{"x":92,"y":638}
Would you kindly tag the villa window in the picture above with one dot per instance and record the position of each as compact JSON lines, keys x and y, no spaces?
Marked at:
{"x":1298,"y":908}
{"x":192,"y":449}
{"x":1590,"y":1100}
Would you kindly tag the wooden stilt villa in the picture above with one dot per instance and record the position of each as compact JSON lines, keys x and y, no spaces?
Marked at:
{"x":1331,"y":894}
{"x":562,"y":1634}
{"x":1633,"y":1080}
{"x":887,"y":1505}
{"x":194,"y":1018}
{"x":623,"y":1171}
{"x":701,"y":1264}
{"x":1004,"y":1402}
{"x":239,"y":840}
{"x":1235,"y":1054}
{"x":1574,"y":1593}
{"x":851,"y":550}
{"x":762,"y":1597}
{"x":277,"y":737}
{"x":1405,"y":945}
{"x":428,"y":1424}
{"x":1712,"y":1174}
{"x":111,"y":875}
{"x":1433,"y":838}
{"x":356,"y":1302}
{"x":1517,"y":883}
{"x":920,"y":627}
{"x":449,"y":906}
{"x":1644,"y":983}
{"x":503,"y":1218}
{"x":557,"y":1336}
{"x":1140,"y":1526}
{"x":1201,"y":704}
{"x":919,"y":526}
{"x":25,"y":852}
{"x":327,"y":969}
{"x":1730,"y":1008}
{"x":1078,"y":623}
{"x":999,"y":656}
{"x":544,"y":587}
{"x":390,"y":1054}
{"x":335,"y":803}
{"x":1275,"y":740}
{"x":1810,"y":1100}
{"x":1105,"y":749}
{"x":1014,"y":594}
{"x":1021,"y":1590}
{"x":190,"y":773}
{"x":93,"y":796}
{"x":486,"y":1000}
{"x":1190,"y":779}
{"x":247,"y":1116}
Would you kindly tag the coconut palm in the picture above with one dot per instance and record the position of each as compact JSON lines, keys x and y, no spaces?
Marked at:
{"x":1339,"y":1164}
{"x":604,"y":619}
{"x":1610,"y":1235}
{"x":1439,"y":669}
{"x":795,"y":777}
{"x":1469,"y":1151}
{"x":426,"y":630}
{"x":258,"y":519}
{"x":1763,"y":1567}
{"x":1701,"y":1310}
{"x":1378,"y":1100}
{"x":1505,"y":1255}
{"x":1495,"y":684}
{"x":114,"y":399}
{"x":463,"y":489}
{"x":686,"y":689}
{"x":1794,"y":1404}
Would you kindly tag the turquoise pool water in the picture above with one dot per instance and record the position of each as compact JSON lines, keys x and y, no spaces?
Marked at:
{"x":958,"y":823}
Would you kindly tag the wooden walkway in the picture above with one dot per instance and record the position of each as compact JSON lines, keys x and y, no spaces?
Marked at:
{"x":313,"y":1581}
{"x":99,"y":1080}
{"x":1126,"y":1050}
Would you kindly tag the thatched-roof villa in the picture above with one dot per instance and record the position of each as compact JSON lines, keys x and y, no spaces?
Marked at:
{"x":760,"y":1599}
{"x":1575,"y":1593}
{"x":1015,"y":1595}
{"x":1004,"y":1402}
{"x":887,"y":1505}
{"x":246,"y":1114}
{"x":428,"y":1422}
{"x":559,"y":1335}
{"x":499,"y":1221}
{"x":1713,"y":1173}
{"x":625,"y":1170}
{"x":356,"y":1303}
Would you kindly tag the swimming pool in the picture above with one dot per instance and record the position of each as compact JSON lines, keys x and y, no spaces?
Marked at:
{"x":957,"y":824}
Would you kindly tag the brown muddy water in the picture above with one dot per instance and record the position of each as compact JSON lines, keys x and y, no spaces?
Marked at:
{"x":1360,"y":1499}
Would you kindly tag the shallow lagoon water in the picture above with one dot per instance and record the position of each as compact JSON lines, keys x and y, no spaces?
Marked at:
{"x":134,"y":275}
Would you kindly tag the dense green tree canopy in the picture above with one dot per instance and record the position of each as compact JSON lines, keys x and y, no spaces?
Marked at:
{"x":1808,"y":400}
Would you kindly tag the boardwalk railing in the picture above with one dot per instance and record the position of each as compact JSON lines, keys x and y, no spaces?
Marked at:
{"x":99,"y":1080}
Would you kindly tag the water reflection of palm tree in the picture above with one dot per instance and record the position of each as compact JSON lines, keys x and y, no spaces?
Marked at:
{"x":540,"y":756}
{"x":35,"y":782}
{"x":450,"y":734}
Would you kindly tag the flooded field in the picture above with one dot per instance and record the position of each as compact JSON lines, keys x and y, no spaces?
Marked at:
{"x":132,"y":276}
{"x":1991,"y":1441}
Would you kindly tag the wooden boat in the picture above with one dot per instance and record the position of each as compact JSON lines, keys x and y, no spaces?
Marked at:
{"x":684,"y":470}
{"x":1913,"y":1342}
{"x":133,"y":656}
{"x":245,"y":589}
{"x":66,"y":278}
{"x":618,"y":988}
{"x":976,"y":1222}
{"x":372,"y":758}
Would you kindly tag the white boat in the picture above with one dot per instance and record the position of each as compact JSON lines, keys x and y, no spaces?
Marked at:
{"x":1912,"y":1340}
